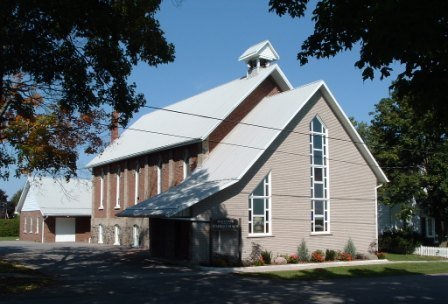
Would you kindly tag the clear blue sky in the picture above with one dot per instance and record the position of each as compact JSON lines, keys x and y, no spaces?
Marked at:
{"x":209,"y":36}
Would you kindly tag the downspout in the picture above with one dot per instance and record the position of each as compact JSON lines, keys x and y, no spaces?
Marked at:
{"x":43,"y":226}
{"x":376,"y":213}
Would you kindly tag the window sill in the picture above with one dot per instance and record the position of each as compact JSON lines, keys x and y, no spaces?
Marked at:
{"x":117,"y":208}
{"x":101,"y":208}
{"x":320,"y":233}
{"x":259,"y":235}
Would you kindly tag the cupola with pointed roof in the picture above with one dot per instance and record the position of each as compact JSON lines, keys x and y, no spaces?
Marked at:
{"x":259,"y":56}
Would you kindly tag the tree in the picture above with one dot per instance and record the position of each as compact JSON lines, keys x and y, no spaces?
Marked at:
{"x":413,"y":150}
{"x":64,"y":67}
{"x":5,"y":206}
{"x":410,"y":32}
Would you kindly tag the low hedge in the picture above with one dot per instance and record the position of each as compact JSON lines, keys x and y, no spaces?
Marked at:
{"x":399,"y":241}
{"x":10,"y":227}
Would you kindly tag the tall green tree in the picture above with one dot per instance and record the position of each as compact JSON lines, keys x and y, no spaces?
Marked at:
{"x":64,"y":67}
{"x":413,"y":150}
{"x":412,"y":33}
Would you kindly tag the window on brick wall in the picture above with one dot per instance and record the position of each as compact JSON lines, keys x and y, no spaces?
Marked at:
{"x":25,"y":224}
{"x":320,"y":203}
{"x":31,"y":225}
{"x":136,"y":179}
{"x":186,"y":165}
{"x":159,"y":177}
{"x":260,"y":208}
{"x":117,"y":192}
{"x":37,"y":225}
{"x":101,"y":189}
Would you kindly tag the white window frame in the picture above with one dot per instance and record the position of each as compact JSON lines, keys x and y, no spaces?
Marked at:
{"x":101,"y":207}
{"x":31,"y":225}
{"x":430,"y":225}
{"x":186,"y":165}
{"x":117,"y":232}
{"x":136,"y":181}
{"x":135,"y":236}
{"x":325,"y":183}
{"x":267,"y":207}
{"x":159,"y":177}
{"x":25,"y":225}
{"x":117,"y":192}
{"x":100,"y":234}
{"x":37,"y":225}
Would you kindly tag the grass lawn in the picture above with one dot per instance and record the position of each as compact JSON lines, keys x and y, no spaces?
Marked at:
{"x":414,"y":264}
{"x":357,"y":271}
{"x":411,"y":257}
{"x":8,"y":238}
{"x":17,"y":278}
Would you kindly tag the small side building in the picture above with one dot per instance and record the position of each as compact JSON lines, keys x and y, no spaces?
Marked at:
{"x":53,"y":210}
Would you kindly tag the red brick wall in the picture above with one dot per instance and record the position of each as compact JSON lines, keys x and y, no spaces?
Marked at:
{"x":268,"y":88}
{"x":30,"y":234}
{"x":83,"y":229}
{"x":50,"y":230}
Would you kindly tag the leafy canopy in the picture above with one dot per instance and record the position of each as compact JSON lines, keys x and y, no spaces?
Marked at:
{"x":64,"y":66}
{"x":413,"y":150}
{"x":410,"y":32}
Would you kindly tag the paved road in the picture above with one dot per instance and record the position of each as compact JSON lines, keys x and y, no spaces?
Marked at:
{"x":92,"y":274}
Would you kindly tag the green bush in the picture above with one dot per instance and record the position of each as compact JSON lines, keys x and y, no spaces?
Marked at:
{"x":350,"y":248}
{"x":399,"y":241}
{"x":10,"y":227}
{"x":302,"y":252}
{"x":266,"y":256}
{"x":330,"y":255}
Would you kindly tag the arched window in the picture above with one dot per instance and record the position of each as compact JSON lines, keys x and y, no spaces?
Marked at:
{"x":159,"y":176}
{"x":135,"y":236}
{"x":136,"y":180}
{"x":117,"y":232}
{"x":260,"y":208}
{"x":101,"y":206}
{"x":320,"y":203}
{"x":100,"y":234}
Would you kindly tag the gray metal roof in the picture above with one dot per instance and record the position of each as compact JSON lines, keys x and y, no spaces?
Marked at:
{"x":56,"y":197}
{"x":161,"y":125}
{"x":220,"y":170}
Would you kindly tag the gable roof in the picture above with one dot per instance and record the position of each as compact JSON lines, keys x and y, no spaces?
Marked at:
{"x":249,"y":141}
{"x":263,"y":50}
{"x":161,"y":125}
{"x":56,"y":197}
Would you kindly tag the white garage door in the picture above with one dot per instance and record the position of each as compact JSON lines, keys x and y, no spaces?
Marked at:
{"x":65,"y":229}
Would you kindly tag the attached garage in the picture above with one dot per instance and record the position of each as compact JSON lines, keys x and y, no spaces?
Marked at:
{"x":65,"y":229}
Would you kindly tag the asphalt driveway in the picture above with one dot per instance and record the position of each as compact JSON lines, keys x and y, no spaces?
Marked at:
{"x":101,"y":274}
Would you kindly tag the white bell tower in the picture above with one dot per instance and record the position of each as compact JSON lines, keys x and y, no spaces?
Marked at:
{"x":259,"y":56}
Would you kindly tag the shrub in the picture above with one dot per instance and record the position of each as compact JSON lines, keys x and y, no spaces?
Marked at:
{"x":293,"y":259}
{"x":399,"y":241}
{"x":280,"y":260}
{"x":302,"y":252}
{"x":10,"y":227}
{"x":344,"y":256}
{"x":380,"y":255}
{"x":266,"y":256}
{"x":317,"y":256}
{"x":360,"y":256}
{"x":330,"y":255}
{"x":259,"y":262}
{"x":350,"y":248}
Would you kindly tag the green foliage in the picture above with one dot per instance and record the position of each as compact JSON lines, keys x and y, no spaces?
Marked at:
{"x":266,"y":256}
{"x":330,"y":255}
{"x":418,"y":42}
{"x":302,"y":252}
{"x":10,"y":227}
{"x":399,"y":241}
{"x":64,"y":66}
{"x":350,"y":248}
{"x":412,"y":149}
